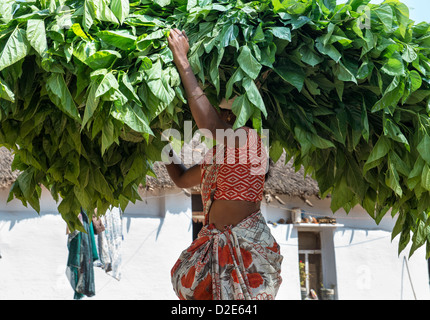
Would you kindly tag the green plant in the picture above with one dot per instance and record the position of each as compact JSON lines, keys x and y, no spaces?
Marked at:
{"x":303,"y":274}
{"x":87,"y":87}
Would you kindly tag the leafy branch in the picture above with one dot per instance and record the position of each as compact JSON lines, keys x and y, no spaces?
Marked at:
{"x":86,"y":87}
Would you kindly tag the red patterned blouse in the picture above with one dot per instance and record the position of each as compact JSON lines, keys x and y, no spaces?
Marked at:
{"x":242,"y":170}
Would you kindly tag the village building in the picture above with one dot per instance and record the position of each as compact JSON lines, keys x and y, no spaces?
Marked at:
{"x":347,"y":254}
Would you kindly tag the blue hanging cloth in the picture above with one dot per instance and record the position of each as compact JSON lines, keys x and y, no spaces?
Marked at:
{"x":82,"y":254}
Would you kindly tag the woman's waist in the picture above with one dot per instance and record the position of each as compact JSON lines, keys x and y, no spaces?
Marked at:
{"x":229,"y":213}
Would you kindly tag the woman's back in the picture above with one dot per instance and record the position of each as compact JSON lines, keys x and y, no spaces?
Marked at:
{"x":239,"y":179}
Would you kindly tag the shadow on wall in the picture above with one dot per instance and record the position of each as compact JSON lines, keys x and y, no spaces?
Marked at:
{"x":15,"y":217}
{"x":153,"y":205}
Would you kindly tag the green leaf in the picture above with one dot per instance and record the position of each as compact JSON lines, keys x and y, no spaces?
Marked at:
{"x":242,"y":109}
{"x":321,"y":143}
{"x":425,"y":177}
{"x":36,"y":36}
{"x":399,"y":164}
{"x":76,"y":28}
{"x":254,"y":95}
{"x":146,"y":64}
{"x":259,"y":33}
{"x":416,"y":80}
{"x":402,"y":13}
{"x":108,"y":82}
{"x":354,"y":178}
{"x":365,"y":70}
{"x":5,"y":92}
{"x":248,"y":63}
{"x":276,"y":150}
{"x":162,"y":90}
{"x":341,"y":195}
{"x":290,"y":6}
{"x":60,"y":95}
{"x":424,"y":148}
{"x":392,"y":179}
{"x":343,"y":73}
{"x":108,"y":135}
{"x":6,"y":9}
{"x":84,"y":50}
{"x":291,"y":73}
{"x":91,"y":104}
{"x":414,"y":176}
{"x":103,"y":12}
{"x":135,"y":172}
{"x":26,"y":182}
{"x":398,"y":226}
{"x":132,"y":116}
{"x":385,"y":15}
{"x":369,"y":202}
{"x":379,"y":151}
{"x":390,"y":99}
{"x":393,"y":131}
{"x":394,"y":67}
{"x":329,"y":50}
{"x":83,"y":197}
{"x":120,"y":9}
{"x":101,"y":185}
{"x":405,"y":237}
{"x":409,"y":54}
{"x":309,"y":56}
{"x":309,"y":140}
{"x":298,"y":22}
{"x":228,"y":33}
{"x":127,"y":88}
{"x":15,"y":49}
{"x":121,"y":39}
{"x":418,"y":96}
{"x":283,"y":33}
{"x":102,"y":59}
{"x":87,"y":17}
{"x":162,"y":3}
{"x":329,"y":4}
{"x":238,"y":75}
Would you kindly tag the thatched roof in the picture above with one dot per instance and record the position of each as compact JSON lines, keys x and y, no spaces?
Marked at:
{"x":283,"y":179}
{"x":7,"y":177}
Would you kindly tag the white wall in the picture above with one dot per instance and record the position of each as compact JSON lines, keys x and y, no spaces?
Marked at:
{"x":366,"y":262}
{"x":34,"y":252}
{"x":368,"y":267}
{"x":286,"y":236}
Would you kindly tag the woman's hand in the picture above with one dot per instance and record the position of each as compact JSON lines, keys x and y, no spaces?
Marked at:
{"x":179,"y":45}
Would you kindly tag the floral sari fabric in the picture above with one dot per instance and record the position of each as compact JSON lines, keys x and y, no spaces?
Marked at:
{"x":243,"y":262}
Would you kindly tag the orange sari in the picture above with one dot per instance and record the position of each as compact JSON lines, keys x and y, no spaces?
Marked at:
{"x":243,"y":262}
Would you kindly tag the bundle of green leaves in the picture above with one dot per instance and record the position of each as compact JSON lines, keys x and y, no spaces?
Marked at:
{"x":87,"y":87}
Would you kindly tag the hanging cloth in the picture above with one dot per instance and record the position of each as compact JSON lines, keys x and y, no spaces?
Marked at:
{"x":82,"y":254}
{"x":110,"y":242}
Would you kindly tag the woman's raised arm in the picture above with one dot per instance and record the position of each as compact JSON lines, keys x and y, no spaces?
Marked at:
{"x":204,"y":114}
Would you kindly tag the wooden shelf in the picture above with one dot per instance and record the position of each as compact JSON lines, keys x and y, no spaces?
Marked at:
{"x":317,"y":225}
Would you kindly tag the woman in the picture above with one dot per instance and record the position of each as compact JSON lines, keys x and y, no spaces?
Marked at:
{"x":234,"y":256}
